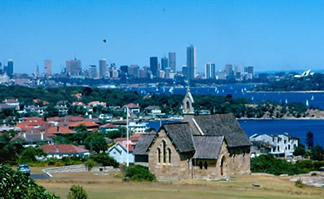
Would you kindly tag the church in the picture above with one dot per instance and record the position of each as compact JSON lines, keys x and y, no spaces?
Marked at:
{"x":203,"y":147}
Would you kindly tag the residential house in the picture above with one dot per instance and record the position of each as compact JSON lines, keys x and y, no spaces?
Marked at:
{"x":106,"y":128}
{"x":32,"y":139}
{"x":154,"y":111}
{"x":91,"y":126}
{"x":58,"y":130}
{"x":281,"y":145}
{"x":59,"y":151}
{"x":119,"y":153}
{"x":132,"y":108}
{"x":34,"y":110}
{"x":12,"y":102}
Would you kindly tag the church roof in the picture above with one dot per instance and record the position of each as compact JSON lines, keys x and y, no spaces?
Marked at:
{"x":181,"y":136}
{"x":143,"y":144}
{"x":208,"y":147}
{"x":223,"y":125}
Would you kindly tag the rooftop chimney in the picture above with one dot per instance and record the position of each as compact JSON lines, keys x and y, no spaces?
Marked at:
{"x":57,"y":149}
{"x":42,"y":135}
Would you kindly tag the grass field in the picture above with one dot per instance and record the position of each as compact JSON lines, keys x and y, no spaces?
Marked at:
{"x":100,"y":186}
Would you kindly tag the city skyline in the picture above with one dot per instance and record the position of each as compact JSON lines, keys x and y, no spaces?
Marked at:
{"x":276,"y":35}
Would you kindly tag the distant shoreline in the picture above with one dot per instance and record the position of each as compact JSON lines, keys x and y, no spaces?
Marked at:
{"x":322,"y":91}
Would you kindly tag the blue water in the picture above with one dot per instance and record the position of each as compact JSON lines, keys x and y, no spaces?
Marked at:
{"x":296,"y":128}
{"x":239,"y":91}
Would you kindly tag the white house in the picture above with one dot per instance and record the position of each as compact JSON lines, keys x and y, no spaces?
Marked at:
{"x":119,"y":153}
{"x":59,"y":151}
{"x":279,"y":145}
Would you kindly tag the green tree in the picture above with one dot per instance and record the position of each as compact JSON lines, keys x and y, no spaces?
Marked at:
{"x":90,"y":164}
{"x":104,"y":159}
{"x":309,"y":140}
{"x":96,"y":142}
{"x":318,"y":153}
{"x":77,"y":192}
{"x":16,"y":185}
{"x":300,"y":150}
{"x":29,"y":154}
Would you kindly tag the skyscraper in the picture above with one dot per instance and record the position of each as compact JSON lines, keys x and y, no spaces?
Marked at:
{"x":92,"y":70}
{"x":172,"y":61}
{"x":9,"y":68}
{"x":191,"y":62}
{"x":48,"y":67}
{"x":210,"y":71}
{"x":229,"y":71}
{"x":102,"y":68}
{"x":73,"y":67}
{"x":154,"y":66}
{"x":164,"y":63}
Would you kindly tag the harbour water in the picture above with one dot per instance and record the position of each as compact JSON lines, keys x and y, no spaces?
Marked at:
{"x":296,"y":128}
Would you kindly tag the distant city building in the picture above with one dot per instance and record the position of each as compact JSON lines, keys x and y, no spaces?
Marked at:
{"x":229,"y":71}
{"x":9,"y":68}
{"x":185,"y":71}
{"x":172,"y":61}
{"x":48,"y":67}
{"x":1,"y":70}
{"x":92,"y":71}
{"x":154,"y":66}
{"x":145,"y":73}
{"x":250,"y":72}
{"x":164,"y":63}
{"x":191,"y":62}
{"x":210,"y":71}
{"x":237,"y":71}
{"x":124,"y":69}
{"x":37,"y":71}
{"x":73,"y":67}
{"x":102,"y":68}
{"x":133,"y":71}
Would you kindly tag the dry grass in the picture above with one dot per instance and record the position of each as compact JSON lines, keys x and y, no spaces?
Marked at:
{"x":106,"y":186}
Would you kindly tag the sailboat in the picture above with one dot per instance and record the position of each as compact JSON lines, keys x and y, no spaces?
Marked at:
{"x":286,"y":101}
{"x":252,"y":98}
{"x":312,"y":97}
{"x":307,"y":103}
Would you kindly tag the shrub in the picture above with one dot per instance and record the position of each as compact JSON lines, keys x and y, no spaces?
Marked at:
{"x":17,"y":185}
{"x":104,"y":159}
{"x":138,"y":173}
{"x":77,"y":192}
{"x":299,"y":184}
{"x":90,"y":164}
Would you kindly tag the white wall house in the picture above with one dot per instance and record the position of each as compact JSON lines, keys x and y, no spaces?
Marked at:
{"x":281,"y":145}
{"x":119,"y":153}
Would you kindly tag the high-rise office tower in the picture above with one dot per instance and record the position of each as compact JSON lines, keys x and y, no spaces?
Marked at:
{"x":124,"y":69}
{"x":185,"y":71}
{"x":9,"y":69}
{"x":73,"y":67}
{"x":191,"y":62}
{"x":154,"y":66}
{"x":172,"y":61}
{"x":48,"y":67}
{"x":237,"y":71}
{"x":164,"y":63}
{"x":102,"y":68}
{"x":92,"y":70}
{"x":210,"y":71}
{"x":249,"y":69}
{"x":133,"y":71}
{"x":1,"y":70}
{"x":229,"y":70}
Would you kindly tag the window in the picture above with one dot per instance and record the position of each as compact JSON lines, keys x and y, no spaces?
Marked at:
{"x":169,"y":153}
{"x":206,"y":165}
{"x":164,"y":151}
{"x":288,"y":146}
{"x":200,"y":165}
{"x":159,"y":155}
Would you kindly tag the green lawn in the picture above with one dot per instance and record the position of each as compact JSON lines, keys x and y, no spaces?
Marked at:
{"x":101,"y":186}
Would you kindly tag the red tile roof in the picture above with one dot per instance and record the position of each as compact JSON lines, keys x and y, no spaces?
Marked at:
{"x":131,"y":105}
{"x":87,"y":124}
{"x":58,"y":130}
{"x":62,"y":148}
{"x":107,"y":126}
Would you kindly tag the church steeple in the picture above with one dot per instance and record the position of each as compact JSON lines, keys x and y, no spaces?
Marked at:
{"x":187,"y":103}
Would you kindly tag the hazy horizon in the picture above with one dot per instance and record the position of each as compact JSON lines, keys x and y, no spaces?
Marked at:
{"x":269,"y":35}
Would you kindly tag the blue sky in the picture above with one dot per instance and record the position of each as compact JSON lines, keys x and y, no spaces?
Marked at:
{"x":270,"y":34}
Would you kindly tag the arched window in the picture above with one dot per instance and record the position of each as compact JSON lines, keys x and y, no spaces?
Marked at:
{"x":288,"y":146}
{"x":206,"y":165}
{"x":159,"y":155}
{"x":169,"y":153}
{"x":164,"y":151}
{"x":200,"y":165}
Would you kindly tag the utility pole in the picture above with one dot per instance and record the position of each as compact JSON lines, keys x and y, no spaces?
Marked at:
{"x":127,"y":162}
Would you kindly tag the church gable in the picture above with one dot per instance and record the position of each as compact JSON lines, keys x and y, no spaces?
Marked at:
{"x":187,"y":103}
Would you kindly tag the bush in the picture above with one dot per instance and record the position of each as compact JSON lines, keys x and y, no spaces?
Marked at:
{"x":104,"y":159}
{"x":17,"y":185}
{"x":77,"y":192}
{"x":299,"y":184}
{"x":90,"y":164}
{"x":138,"y":173}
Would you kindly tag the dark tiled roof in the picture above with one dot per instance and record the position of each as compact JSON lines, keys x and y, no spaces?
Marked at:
{"x":208,"y":147}
{"x":143,"y":144}
{"x":223,"y":125}
{"x":181,"y":136}
{"x":31,"y":137}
